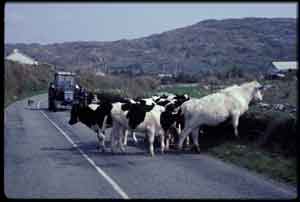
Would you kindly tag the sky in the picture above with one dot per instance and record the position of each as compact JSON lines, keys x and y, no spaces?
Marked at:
{"x":47,"y":23}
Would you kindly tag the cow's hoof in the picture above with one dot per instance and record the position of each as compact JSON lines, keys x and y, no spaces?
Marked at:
{"x":197,"y":149}
{"x":178,"y":147}
{"x":151,"y":153}
{"x":122,"y":151}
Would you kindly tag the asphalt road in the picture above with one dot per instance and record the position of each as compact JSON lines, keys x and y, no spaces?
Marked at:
{"x":45,"y":157}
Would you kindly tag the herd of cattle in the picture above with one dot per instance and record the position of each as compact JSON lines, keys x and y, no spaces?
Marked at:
{"x":160,"y":115}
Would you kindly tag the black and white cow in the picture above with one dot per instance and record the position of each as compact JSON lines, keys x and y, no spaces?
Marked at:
{"x":95,"y":116}
{"x":172,"y":119}
{"x":139,"y":117}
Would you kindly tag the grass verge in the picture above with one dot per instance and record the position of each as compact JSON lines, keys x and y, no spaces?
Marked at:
{"x":253,"y":158}
{"x":11,"y":99}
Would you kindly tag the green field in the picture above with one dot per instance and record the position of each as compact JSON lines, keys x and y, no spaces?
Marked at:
{"x":192,"y":91}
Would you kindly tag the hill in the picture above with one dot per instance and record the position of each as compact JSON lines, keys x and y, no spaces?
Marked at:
{"x":249,"y":43}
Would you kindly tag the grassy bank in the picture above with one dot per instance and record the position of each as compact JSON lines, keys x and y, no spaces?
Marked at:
{"x":29,"y":94}
{"x":283,"y":169}
{"x":23,"y":81}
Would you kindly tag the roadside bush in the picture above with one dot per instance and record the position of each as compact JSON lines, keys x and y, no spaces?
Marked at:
{"x":24,"y":80}
{"x":130,"y":87}
{"x":272,"y":131}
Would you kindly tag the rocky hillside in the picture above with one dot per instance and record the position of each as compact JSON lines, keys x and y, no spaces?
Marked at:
{"x":251,"y":43}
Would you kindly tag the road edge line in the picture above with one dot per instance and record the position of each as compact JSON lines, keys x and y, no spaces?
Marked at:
{"x":115,"y":186}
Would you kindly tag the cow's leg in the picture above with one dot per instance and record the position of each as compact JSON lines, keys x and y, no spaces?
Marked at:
{"x":178,"y":130}
{"x":162,"y":142}
{"x":125,"y":137}
{"x":168,"y":137}
{"x":235,"y":123}
{"x":134,"y":138}
{"x":101,"y":139}
{"x":186,"y":131}
{"x":187,"y":141}
{"x":122,"y":132}
{"x":112,"y":136}
{"x":99,"y":135}
{"x":195,"y":135}
{"x":151,"y":136}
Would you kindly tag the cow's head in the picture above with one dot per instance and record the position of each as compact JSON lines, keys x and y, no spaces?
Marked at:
{"x":136,"y":112}
{"x":174,"y":105}
{"x":180,"y":99}
{"x":257,"y":92}
{"x":144,"y":106}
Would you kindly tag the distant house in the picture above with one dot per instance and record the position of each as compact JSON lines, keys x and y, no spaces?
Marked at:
{"x":99,"y":73}
{"x":19,"y":57}
{"x":162,"y":75}
{"x":281,"y":68}
{"x":285,"y":66}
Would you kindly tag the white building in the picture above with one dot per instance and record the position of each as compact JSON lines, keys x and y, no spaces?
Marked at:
{"x":164,"y":75}
{"x":99,"y":73}
{"x":19,"y":57}
{"x":281,"y":68}
{"x":285,"y":66}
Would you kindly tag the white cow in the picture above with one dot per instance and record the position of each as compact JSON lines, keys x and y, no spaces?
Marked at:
{"x":213,"y":109}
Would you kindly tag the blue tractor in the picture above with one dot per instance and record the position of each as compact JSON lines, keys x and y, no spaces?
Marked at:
{"x":63,"y":90}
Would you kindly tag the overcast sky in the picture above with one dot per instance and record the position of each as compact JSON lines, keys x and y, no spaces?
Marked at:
{"x":60,"y":22}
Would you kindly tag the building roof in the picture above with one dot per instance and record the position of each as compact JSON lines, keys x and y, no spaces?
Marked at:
{"x":164,"y":75}
{"x":65,"y":73}
{"x":17,"y":56}
{"x":285,"y":65}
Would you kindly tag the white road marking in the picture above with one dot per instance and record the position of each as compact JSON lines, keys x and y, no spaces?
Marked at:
{"x":115,"y":186}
